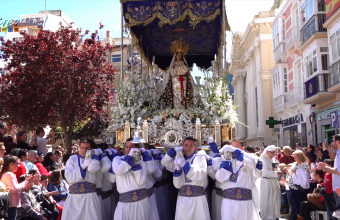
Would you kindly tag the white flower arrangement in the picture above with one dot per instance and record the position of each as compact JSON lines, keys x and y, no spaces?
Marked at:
{"x":130,"y":99}
{"x":216,"y":100}
{"x":215,"y":103}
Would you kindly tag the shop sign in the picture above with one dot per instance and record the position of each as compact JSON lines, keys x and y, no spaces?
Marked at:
{"x":334,"y":119}
{"x":326,"y":114}
{"x":292,"y":120}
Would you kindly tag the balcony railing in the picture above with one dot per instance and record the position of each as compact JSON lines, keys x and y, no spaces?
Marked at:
{"x":315,"y":24}
{"x":335,"y":74}
{"x":292,"y":36}
{"x":294,"y":97}
{"x":321,"y":84}
{"x":279,"y":103}
{"x":279,"y":52}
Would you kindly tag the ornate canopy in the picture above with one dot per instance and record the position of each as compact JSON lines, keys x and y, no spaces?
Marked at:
{"x":155,"y":24}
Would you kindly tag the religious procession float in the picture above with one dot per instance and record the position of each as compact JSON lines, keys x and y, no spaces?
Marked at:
{"x":163,"y":103}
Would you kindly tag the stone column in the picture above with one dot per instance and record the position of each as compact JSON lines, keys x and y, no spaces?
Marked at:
{"x":251,"y":98}
{"x":241,"y":131}
{"x":259,"y":89}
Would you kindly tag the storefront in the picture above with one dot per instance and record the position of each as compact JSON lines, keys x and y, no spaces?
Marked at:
{"x":324,"y":122}
{"x":294,"y":131}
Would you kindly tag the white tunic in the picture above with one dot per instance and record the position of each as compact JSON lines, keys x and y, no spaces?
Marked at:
{"x":269,"y":191}
{"x":81,"y":206}
{"x":235,"y":209}
{"x":128,"y":180}
{"x":153,"y":173}
{"x":108,"y":179}
{"x":216,"y":200}
{"x":194,"y":208}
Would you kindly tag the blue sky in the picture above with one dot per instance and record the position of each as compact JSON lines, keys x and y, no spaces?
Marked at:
{"x":88,"y":13}
{"x":85,"y":13}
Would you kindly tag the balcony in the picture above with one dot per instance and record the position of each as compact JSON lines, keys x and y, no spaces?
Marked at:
{"x":316,"y":89}
{"x":334,"y":79}
{"x":312,"y":30}
{"x":279,"y":103}
{"x":294,"y":97}
{"x":280,"y":53}
{"x":293,"y":39}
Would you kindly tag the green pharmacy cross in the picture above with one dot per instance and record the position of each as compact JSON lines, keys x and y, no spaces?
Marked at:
{"x":271,"y":122}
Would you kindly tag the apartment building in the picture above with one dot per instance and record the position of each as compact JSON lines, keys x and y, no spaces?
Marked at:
{"x":48,"y":19}
{"x":303,"y":88}
{"x":331,"y":102}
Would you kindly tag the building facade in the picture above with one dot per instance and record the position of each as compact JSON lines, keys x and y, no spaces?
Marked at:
{"x":251,"y":62}
{"x":288,"y":75}
{"x":48,"y":19}
{"x":305,"y":76}
{"x":328,"y":101}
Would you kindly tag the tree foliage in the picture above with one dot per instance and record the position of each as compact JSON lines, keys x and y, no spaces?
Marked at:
{"x":55,"y":78}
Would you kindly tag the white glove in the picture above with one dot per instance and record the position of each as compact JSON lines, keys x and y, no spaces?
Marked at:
{"x":86,"y":163}
{"x":227,"y":148}
{"x":100,"y":150}
{"x":132,"y":150}
{"x":96,"y":152}
{"x":178,"y":148}
{"x":210,"y":140}
{"x":108,"y":151}
{"x":180,"y":161}
{"x":142,"y":149}
{"x":113,"y":150}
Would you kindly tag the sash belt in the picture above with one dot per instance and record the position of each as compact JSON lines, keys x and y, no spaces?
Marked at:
{"x":219,"y":191}
{"x":267,"y":178}
{"x":133,"y":196}
{"x":82,"y":188}
{"x":150,"y":191}
{"x":98,"y":191}
{"x":240,"y":194}
{"x":191,"y":191}
{"x":106,"y":194}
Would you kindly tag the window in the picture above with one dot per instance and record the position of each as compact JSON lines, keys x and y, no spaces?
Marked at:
{"x":276,"y":83}
{"x":308,"y":8}
{"x":17,"y":39}
{"x":115,"y":58}
{"x":285,"y":80}
{"x":311,"y":64}
{"x":297,"y":18}
{"x":335,"y":45}
{"x":324,"y":60}
{"x":321,"y":5}
{"x":276,"y":34}
{"x":283,"y":30}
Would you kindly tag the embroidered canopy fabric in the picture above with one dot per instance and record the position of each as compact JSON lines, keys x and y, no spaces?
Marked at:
{"x":155,"y":25}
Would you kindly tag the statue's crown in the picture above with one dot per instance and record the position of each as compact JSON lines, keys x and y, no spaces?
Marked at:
{"x":179,"y":46}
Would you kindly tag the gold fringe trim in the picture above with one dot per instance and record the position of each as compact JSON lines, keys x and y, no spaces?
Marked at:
{"x":163,"y":20}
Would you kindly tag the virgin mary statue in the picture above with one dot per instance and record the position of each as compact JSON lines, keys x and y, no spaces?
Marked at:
{"x":178,"y":92}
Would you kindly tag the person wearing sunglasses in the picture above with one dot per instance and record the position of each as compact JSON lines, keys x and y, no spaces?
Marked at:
{"x":2,"y":150}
